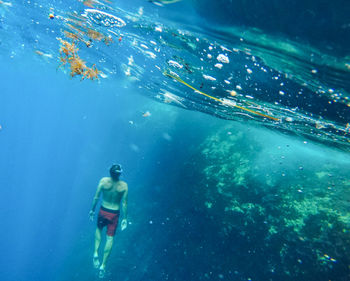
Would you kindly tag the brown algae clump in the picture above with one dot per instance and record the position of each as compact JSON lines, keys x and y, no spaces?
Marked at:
{"x":69,"y":54}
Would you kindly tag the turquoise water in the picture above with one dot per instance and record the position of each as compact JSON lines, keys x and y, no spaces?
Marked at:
{"x":233,"y":135}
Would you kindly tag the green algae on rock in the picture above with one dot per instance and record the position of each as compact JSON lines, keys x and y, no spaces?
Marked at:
{"x":296,"y":209}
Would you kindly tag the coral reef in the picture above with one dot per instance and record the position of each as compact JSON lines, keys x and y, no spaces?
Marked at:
{"x":298,"y":219}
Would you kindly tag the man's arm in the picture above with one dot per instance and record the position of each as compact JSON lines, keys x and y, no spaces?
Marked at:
{"x":96,"y":197}
{"x":125,"y":208}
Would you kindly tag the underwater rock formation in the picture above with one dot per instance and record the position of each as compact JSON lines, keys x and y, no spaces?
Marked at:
{"x":287,"y":219}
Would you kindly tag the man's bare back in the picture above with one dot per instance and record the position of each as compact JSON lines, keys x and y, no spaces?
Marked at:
{"x":112,"y":192}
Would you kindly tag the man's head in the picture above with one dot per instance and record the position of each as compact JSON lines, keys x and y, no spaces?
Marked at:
{"x":115,"y":171}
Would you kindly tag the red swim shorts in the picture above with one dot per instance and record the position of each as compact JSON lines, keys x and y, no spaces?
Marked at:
{"x":109,"y":218}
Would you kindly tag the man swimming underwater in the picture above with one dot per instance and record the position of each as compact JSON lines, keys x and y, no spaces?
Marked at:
{"x":114,"y":192}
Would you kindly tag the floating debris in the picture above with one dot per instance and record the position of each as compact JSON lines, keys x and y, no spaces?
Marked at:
{"x":174,"y":64}
{"x":8,"y":4}
{"x":158,"y":29}
{"x":146,"y":114}
{"x":319,"y":125}
{"x":347,"y":128}
{"x":130,"y":60}
{"x":177,"y":78}
{"x":150,"y":54}
{"x":208,"y":77}
{"x":40,"y":53}
{"x":232,"y":93}
{"x":229,"y":102}
{"x":69,"y":54}
{"x":222,"y":58}
{"x":127,"y":71}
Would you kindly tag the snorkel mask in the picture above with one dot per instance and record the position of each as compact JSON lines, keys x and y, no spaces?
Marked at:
{"x":115,"y":171}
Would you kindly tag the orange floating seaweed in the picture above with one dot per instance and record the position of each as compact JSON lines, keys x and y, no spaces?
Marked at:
{"x":68,"y":49}
{"x":91,"y":73}
{"x":69,"y":54}
{"x":77,"y":66}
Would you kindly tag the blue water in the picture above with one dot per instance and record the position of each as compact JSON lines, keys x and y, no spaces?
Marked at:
{"x":59,"y":135}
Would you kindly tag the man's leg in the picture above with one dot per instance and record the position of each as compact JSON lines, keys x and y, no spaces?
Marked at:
{"x":107,"y":251}
{"x":97,"y":246}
